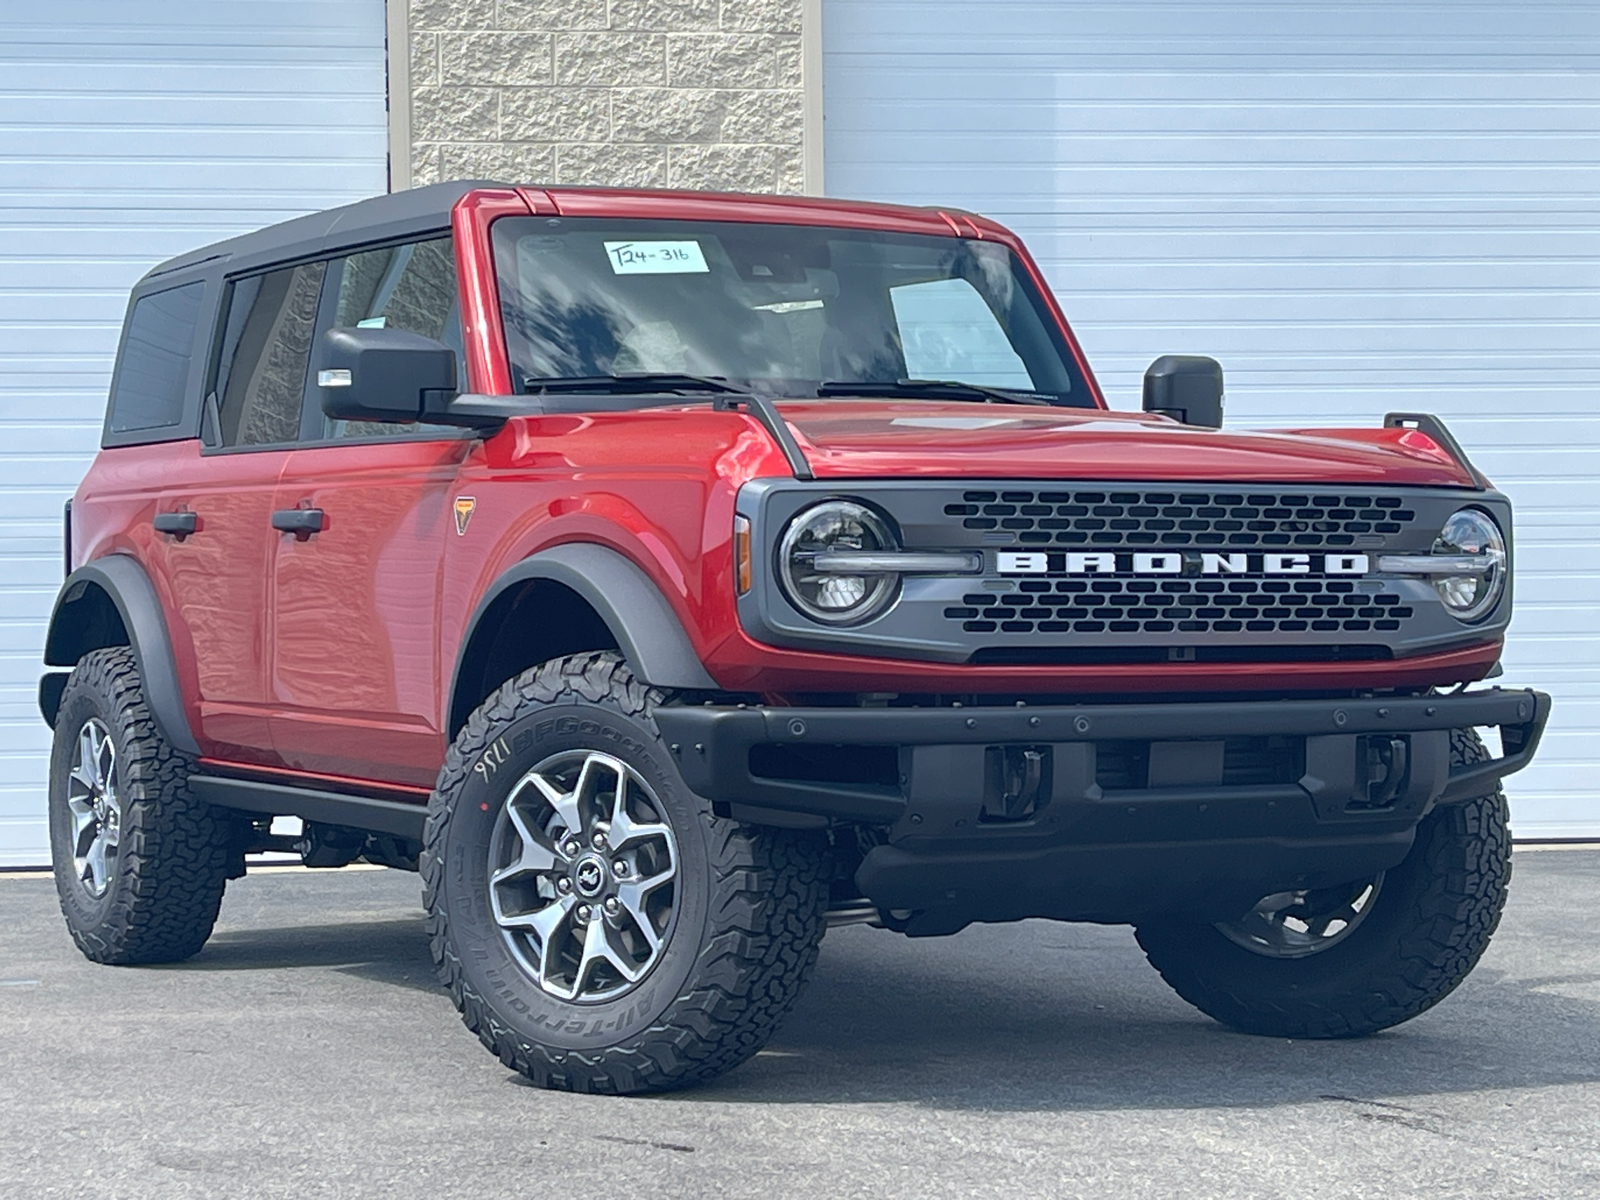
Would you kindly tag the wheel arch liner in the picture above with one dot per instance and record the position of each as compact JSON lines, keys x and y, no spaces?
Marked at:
{"x":131,"y":593}
{"x":646,"y":629}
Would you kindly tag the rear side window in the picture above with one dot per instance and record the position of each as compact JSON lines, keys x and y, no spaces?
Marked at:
{"x":266,"y":349}
{"x":154,"y":367}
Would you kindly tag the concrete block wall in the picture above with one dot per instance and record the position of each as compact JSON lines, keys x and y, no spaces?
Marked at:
{"x":627,"y":93}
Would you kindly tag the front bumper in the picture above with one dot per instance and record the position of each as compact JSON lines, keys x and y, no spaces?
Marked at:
{"x":994,"y":813}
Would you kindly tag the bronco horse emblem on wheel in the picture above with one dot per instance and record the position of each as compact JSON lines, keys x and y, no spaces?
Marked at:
{"x":814,"y":582}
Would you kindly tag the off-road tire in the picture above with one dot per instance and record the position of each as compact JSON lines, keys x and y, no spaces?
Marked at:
{"x":1430,"y":923}
{"x":750,"y":905}
{"x":162,"y":896}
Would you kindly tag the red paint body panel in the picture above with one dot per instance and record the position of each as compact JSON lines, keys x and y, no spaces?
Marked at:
{"x":356,"y":663}
{"x":330,"y":660}
{"x":863,"y":439}
{"x":212,"y":585}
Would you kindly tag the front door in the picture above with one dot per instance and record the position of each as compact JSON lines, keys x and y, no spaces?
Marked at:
{"x":356,"y":673}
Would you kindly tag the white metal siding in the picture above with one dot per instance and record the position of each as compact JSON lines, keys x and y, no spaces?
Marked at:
{"x":130,"y":132}
{"x":1356,"y":208}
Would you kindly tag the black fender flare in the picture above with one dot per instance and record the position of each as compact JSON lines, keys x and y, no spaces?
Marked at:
{"x":130,"y":591}
{"x":647,"y":631}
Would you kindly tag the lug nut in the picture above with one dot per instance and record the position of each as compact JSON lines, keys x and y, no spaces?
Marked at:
{"x":572,"y":847}
{"x":563,"y":885}
{"x":599,"y":841}
{"x":583,"y":912}
{"x":612,"y":905}
{"x":620,"y":867}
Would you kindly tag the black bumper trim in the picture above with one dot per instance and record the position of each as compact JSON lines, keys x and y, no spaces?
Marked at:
{"x":711,"y":744}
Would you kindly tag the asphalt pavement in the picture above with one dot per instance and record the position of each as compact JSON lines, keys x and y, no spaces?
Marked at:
{"x":307,"y":1052}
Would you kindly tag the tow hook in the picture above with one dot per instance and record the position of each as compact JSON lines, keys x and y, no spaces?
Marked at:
{"x":1016,"y":781}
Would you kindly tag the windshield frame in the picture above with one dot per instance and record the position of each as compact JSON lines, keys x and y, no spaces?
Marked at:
{"x":1027,"y":289}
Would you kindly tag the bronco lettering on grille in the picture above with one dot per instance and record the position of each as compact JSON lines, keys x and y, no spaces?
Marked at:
{"x":1175,"y":562}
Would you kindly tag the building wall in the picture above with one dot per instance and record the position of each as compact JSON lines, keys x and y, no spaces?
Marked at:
{"x":643,"y":93}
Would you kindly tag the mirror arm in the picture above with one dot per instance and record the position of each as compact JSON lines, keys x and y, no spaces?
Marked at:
{"x":486,"y":414}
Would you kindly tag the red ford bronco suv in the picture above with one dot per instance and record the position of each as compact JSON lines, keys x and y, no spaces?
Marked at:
{"x":669,"y":576}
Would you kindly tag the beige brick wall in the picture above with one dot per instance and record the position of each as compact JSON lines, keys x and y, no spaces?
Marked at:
{"x":633,"y":93}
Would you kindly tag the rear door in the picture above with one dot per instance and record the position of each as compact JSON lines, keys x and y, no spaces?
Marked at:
{"x":215,"y":569}
{"x":356,"y":676}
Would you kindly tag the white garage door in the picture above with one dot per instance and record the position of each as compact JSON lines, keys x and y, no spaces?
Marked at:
{"x":130,"y":132}
{"x":1356,"y":208}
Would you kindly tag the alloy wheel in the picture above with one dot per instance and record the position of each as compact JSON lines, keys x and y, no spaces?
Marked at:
{"x":583,"y":869}
{"x":1296,"y":924}
{"x":94,"y":808}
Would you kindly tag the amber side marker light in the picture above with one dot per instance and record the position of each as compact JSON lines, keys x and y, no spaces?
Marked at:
{"x":741,"y":553}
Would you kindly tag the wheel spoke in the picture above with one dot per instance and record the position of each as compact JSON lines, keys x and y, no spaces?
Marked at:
{"x":533,"y":856}
{"x":95,"y":864}
{"x":625,"y":831}
{"x":88,"y":753}
{"x":81,"y":810}
{"x":597,"y":948}
{"x":105,"y":765}
{"x":586,"y":791}
{"x":632,"y":898}
{"x":565,"y":803}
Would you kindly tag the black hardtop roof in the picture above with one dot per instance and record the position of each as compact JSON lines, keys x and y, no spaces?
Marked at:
{"x":376,"y":219}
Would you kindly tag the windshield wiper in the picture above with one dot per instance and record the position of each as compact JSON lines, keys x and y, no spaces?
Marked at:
{"x":630,"y":385}
{"x":931,"y":389}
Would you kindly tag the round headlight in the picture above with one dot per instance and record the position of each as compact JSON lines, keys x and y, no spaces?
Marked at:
{"x":837,"y":596}
{"x":1470,"y":534}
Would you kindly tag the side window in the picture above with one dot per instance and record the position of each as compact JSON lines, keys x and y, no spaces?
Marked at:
{"x":948,"y":331}
{"x":154,"y":367}
{"x":266,"y":350}
{"x":411,"y":287}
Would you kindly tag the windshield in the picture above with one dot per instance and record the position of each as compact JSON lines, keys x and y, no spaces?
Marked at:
{"x":781,"y":309}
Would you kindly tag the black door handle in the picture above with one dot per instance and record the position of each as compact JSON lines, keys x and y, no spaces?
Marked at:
{"x":179,"y":524}
{"x":302,"y":522}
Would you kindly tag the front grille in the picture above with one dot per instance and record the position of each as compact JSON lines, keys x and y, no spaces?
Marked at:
{"x":1101,"y":517}
{"x":1116,"y":604}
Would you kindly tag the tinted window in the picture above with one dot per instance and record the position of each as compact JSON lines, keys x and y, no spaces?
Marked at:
{"x":154,"y":367}
{"x":266,"y":349}
{"x":411,"y":287}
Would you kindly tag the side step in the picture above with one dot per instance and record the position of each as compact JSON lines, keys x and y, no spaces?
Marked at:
{"x":310,"y":804}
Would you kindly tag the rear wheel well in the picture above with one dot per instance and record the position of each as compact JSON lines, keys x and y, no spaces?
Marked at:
{"x":86,"y":620}
{"x":524,"y":626}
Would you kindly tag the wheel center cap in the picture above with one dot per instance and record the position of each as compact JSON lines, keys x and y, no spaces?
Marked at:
{"x":589,"y":877}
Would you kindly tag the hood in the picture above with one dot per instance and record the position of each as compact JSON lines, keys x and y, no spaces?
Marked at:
{"x":862,"y":439}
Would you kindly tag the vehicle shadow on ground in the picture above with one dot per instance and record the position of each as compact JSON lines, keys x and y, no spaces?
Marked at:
{"x":1045,"y":1017}
{"x":385,"y":951}
{"x":879,"y":1026}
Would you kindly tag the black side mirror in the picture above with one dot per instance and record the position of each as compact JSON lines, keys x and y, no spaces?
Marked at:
{"x":384,"y":375}
{"x":1186,"y":388}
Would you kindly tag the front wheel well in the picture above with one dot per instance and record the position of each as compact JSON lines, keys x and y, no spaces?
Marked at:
{"x":524,"y":626}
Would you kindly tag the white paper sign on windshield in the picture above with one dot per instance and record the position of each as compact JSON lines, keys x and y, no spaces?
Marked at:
{"x":656,"y":258}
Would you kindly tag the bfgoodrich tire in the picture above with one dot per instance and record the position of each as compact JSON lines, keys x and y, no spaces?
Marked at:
{"x":598,"y":927}
{"x":1352,"y":961}
{"x":140,"y":864}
